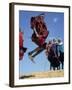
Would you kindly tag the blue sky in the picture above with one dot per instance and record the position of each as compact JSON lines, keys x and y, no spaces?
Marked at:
{"x":55,"y":25}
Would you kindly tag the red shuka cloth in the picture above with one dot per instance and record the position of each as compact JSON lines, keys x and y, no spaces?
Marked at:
{"x":21,"y":52}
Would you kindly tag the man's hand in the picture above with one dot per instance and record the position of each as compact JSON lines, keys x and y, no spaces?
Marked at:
{"x":39,"y":36}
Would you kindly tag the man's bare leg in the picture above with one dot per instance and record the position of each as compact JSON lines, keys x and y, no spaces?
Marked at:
{"x":36,"y":51}
{"x":32,"y":52}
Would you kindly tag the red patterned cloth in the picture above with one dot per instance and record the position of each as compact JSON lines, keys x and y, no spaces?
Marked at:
{"x":38,"y":24}
{"x":21,"y":52}
{"x":21,"y":39}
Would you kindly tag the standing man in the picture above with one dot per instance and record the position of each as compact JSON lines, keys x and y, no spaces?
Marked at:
{"x":22,"y":49}
{"x":61,"y":52}
{"x":54,"y":46}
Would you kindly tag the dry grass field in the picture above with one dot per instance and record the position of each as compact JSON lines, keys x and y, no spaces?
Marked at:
{"x":49,"y":74}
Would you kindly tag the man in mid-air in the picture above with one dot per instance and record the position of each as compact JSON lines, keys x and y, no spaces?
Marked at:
{"x":39,"y":35}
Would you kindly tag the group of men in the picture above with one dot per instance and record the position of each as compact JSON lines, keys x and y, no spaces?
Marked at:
{"x":55,"y":53}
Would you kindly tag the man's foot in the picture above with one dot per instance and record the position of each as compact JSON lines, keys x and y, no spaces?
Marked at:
{"x":24,"y":49}
{"x":44,"y":45}
{"x":29,"y":53}
{"x":31,"y":58}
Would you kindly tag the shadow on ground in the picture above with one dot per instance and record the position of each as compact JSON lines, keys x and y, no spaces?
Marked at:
{"x":27,"y":76}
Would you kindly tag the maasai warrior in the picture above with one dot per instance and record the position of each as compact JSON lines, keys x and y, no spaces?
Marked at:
{"x":39,"y":35}
{"x":22,"y":49}
{"x":61,"y":52}
{"x":51,"y":55}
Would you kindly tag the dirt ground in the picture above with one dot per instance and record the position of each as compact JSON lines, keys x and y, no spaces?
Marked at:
{"x":49,"y":74}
